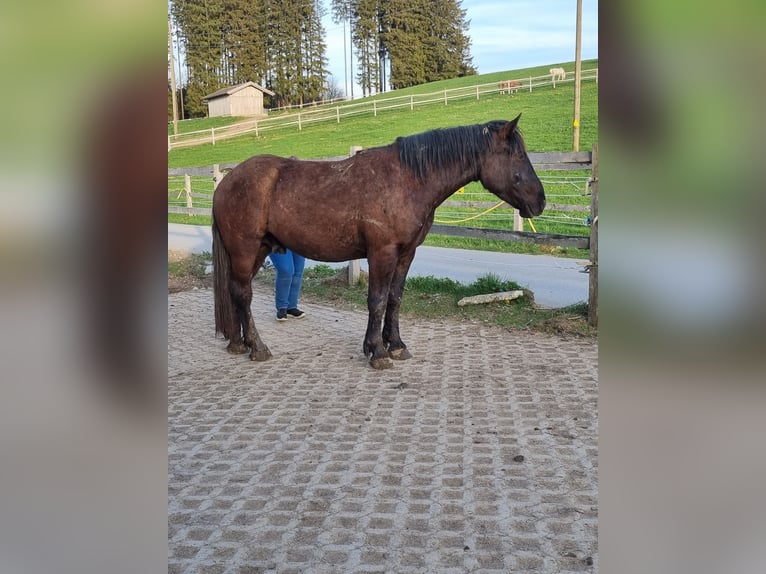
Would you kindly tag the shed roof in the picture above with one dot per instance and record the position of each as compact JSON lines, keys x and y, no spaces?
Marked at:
{"x":233,"y":89}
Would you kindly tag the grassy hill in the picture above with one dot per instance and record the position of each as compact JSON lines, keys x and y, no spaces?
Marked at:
{"x":546,"y":122}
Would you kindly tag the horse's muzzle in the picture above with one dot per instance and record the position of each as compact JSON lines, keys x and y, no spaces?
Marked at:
{"x":533,"y":209}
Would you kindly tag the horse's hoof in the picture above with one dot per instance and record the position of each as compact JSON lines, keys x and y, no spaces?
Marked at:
{"x":237,"y":348}
{"x":382,"y":363}
{"x":400,"y":354}
{"x":262,"y":355}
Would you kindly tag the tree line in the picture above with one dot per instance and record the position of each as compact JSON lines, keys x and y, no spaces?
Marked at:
{"x":280,"y":44}
{"x":424,"y":41}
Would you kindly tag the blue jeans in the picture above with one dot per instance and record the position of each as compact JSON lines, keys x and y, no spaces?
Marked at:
{"x":287,"y":286}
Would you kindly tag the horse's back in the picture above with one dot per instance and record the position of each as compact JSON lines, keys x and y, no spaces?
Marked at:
{"x":326,"y":210}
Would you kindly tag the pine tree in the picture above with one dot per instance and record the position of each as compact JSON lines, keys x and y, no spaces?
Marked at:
{"x":314,"y":48}
{"x":244,"y":28}
{"x":446,"y":43}
{"x":365,"y":25}
{"x":403,"y":29}
{"x":200,"y":24}
{"x":426,"y":40}
{"x":276,"y":43}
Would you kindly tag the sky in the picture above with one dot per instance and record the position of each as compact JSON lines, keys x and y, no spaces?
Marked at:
{"x":505,"y":35}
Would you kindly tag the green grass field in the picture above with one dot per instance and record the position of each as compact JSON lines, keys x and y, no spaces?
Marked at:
{"x":546,"y":123}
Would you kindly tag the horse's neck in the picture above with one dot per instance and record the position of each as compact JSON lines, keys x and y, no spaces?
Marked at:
{"x":449,"y":182}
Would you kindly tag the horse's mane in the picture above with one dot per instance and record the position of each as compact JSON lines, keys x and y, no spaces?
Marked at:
{"x":443,"y":147}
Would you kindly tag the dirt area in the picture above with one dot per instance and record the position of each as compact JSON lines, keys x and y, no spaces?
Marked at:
{"x":188,"y":283}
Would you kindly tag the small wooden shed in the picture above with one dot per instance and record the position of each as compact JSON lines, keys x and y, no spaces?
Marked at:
{"x":240,"y":100}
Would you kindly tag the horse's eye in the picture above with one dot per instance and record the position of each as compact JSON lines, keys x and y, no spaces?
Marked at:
{"x":516,"y":177}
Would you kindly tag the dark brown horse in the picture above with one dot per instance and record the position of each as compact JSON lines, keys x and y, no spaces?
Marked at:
{"x":378,"y":204}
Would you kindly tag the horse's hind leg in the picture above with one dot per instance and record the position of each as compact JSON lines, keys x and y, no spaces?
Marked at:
{"x":237,"y":345}
{"x":239,"y":296}
{"x":241,"y":287}
{"x":259,"y":351}
{"x":396,"y":348}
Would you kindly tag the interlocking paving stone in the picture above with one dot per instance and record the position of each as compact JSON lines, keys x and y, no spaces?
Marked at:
{"x":477,"y":455}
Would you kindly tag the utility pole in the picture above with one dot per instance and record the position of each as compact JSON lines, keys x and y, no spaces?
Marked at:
{"x":578,"y":73}
{"x":351,"y":58}
{"x":345,"y":63}
{"x":172,"y":78}
{"x":180,"y":76}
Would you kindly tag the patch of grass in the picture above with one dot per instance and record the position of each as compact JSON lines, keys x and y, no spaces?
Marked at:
{"x":322,"y":271}
{"x":436,"y":298}
{"x":432,"y":298}
{"x":198,"y":124}
{"x":189,"y":219}
{"x":476,"y":244}
{"x":193,"y":265}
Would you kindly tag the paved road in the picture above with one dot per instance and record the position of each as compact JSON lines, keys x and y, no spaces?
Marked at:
{"x":477,"y":455}
{"x":555,"y":281}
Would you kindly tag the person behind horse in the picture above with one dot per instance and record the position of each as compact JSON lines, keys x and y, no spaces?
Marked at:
{"x":287,"y":285}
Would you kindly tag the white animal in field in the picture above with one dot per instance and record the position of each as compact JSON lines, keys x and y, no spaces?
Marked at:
{"x":558,"y":74}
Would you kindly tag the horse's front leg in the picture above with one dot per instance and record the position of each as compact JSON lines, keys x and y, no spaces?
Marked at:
{"x":396,"y":348}
{"x":381,"y":270}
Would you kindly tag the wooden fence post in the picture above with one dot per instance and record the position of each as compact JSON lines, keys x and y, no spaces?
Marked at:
{"x":299,"y":122}
{"x":374,"y":108}
{"x":337,"y":113}
{"x":212,"y":133}
{"x":593,"y":273}
{"x":217,"y":176}
{"x":187,"y":190}
{"x":530,"y":84}
{"x":412,"y":103}
{"x":518,"y":222}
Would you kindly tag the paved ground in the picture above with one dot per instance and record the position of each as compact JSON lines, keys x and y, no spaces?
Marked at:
{"x":478,"y":455}
{"x":555,"y":281}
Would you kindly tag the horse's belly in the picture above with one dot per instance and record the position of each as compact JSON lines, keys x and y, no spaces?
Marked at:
{"x":323,"y":242}
{"x":333,"y":253}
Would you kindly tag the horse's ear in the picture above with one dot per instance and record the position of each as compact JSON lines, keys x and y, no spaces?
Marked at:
{"x":507,"y":129}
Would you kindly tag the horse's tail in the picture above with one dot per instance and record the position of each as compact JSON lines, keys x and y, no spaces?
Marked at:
{"x":225,"y":314}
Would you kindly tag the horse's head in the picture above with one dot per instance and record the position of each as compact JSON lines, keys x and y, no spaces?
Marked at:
{"x":507,"y":172}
